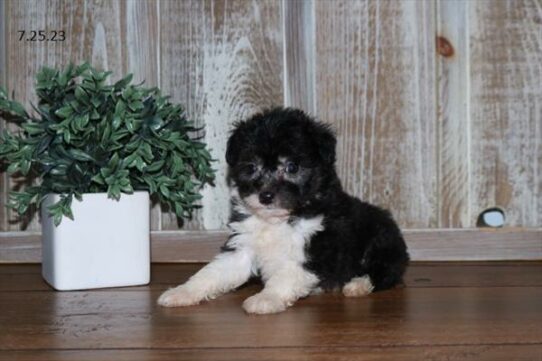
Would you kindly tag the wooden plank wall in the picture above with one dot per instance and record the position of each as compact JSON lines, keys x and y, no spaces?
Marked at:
{"x":506,"y":107}
{"x":437,"y":103}
{"x":375,"y":82}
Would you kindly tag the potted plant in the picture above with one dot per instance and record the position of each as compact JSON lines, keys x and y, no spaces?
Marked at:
{"x":90,"y":155}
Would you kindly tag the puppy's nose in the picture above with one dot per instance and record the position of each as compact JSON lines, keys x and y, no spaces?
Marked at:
{"x":266,"y":197}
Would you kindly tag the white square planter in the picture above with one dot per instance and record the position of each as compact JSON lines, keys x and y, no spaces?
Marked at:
{"x":106,"y":245}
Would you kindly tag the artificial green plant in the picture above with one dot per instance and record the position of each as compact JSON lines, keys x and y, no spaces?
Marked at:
{"x":87,"y":136}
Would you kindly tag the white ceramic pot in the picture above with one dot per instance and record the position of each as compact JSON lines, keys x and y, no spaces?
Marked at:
{"x":106,"y":245}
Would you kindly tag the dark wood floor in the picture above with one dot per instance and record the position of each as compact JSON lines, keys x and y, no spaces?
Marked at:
{"x":447,"y":311}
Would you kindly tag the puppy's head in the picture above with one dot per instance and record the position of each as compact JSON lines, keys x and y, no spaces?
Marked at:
{"x":280,"y":161}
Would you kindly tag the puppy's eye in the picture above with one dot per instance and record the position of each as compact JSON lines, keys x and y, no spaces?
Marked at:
{"x":291,"y":168}
{"x":250,"y":168}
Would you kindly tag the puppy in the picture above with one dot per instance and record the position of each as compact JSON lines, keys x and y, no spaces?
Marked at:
{"x":291,"y":222}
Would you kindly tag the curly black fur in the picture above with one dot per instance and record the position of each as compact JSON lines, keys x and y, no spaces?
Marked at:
{"x":358,"y":238}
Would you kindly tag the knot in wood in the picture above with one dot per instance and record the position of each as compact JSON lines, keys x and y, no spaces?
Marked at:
{"x":444,"y":47}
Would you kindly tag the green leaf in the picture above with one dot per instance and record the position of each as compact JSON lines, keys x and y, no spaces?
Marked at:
{"x":164,"y":190}
{"x":114,"y":191}
{"x":65,"y":76}
{"x":60,"y":208}
{"x":155,"y":166}
{"x":127,"y":93}
{"x":130,"y":124}
{"x":114,"y":161}
{"x":33,"y":128}
{"x":23,"y":207}
{"x":59,"y":170}
{"x":81,"y":121}
{"x":135,"y":105}
{"x":82,"y":69}
{"x":117,"y":120}
{"x":106,"y":133}
{"x":146,"y":152}
{"x":98,"y":178}
{"x":25,"y":166}
{"x":120,"y":108}
{"x":121,"y":84}
{"x":105,"y":172}
{"x":96,"y":102}
{"x":80,"y":155}
{"x":57,"y":218}
{"x":18,"y":109}
{"x":13,"y":168}
{"x":67,"y":211}
{"x":127,"y":189}
{"x":64,"y":112}
{"x":81,"y":94}
{"x":151,"y":183}
{"x":94,"y":115}
{"x":140,"y":164}
{"x":67,"y":136}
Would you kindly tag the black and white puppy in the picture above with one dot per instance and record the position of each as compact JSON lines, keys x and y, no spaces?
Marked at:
{"x":292,"y":224}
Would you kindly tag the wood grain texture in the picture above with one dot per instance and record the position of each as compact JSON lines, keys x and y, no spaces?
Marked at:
{"x":476,"y":318}
{"x":506,"y":108}
{"x":474,"y":245}
{"x":3,"y":79}
{"x":140,"y":41}
{"x":300,"y":55}
{"x":435,"y":138}
{"x":424,"y":245}
{"x":223,"y":60}
{"x":25,"y":277}
{"x":178,"y":246}
{"x":433,"y":353}
{"x":453,"y":117}
{"x":375,"y":82}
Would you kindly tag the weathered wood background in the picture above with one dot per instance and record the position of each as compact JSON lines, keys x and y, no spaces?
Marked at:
{"x":437,"y":103}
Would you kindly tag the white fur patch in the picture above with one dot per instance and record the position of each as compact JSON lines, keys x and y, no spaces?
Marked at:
{"x":358,"y":287}
{"x":226,"y":272}
{"x":278,"y":250}
{"x":263,"y":303}
{"x":179,"y":296}
{"x":267,"y":245}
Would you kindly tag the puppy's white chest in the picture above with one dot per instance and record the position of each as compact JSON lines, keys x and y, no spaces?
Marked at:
{"x":275,"y":244}
{"x":276,"y":240}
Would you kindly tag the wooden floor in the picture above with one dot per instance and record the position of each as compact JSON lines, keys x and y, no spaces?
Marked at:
{"x":447,"y":311}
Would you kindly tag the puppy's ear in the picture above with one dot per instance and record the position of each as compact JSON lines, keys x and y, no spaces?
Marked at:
{"x":326,"y":142}
{"x":233,"y":148}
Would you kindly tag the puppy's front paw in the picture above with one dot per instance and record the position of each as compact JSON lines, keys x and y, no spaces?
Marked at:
{"x":358,"y":287}
{"x":178,"y":296}
{"x":262,"y":303}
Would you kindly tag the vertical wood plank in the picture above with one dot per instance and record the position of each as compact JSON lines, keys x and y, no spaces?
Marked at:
{"x":506,"y":103}
{"x":92,"y":33}
{"x":3,"y":20}
{"x":452,"y":47}
{"x":24,"y":58}
{"x":140,"y":40}
{"x":299,"y":55}
{"x":3,"y":50}
{"x":223,"y":61}
{"x":375,"y":81}
{"x":181,"y":71}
